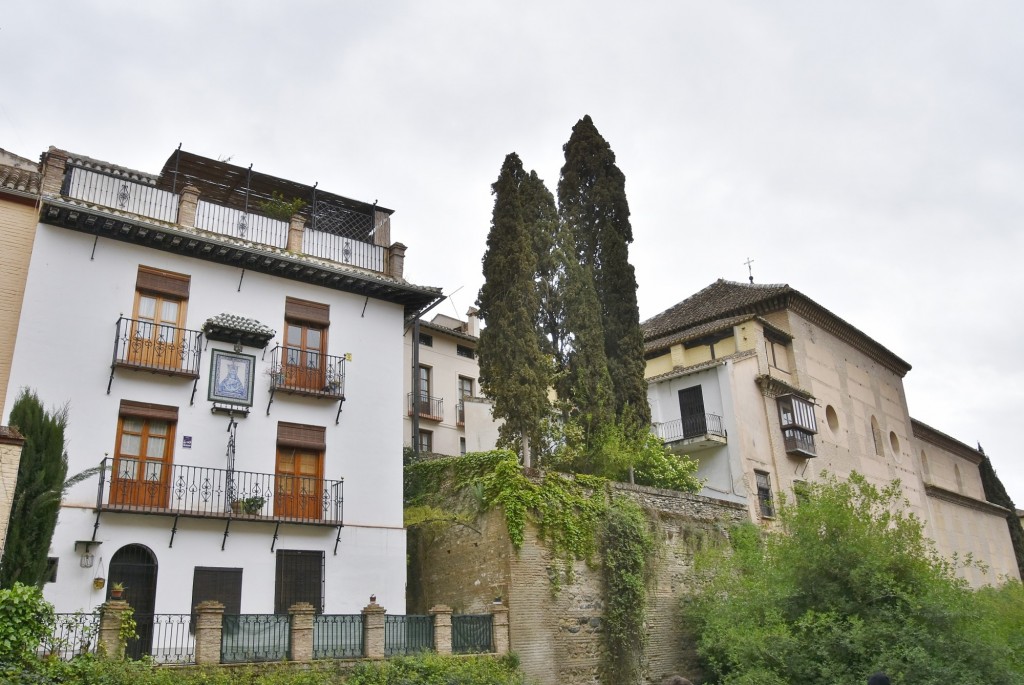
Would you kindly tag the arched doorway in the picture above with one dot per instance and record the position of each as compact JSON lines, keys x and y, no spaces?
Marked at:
{"x":135,"y":567}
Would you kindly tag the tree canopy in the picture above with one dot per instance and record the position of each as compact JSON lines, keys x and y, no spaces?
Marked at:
{"x":846,"y":586}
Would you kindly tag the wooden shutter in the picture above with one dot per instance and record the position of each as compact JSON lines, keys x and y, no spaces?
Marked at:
{"x":301,"y":436}
{"x":163,"y":282}
{"x":307,"y":312}
{"x":223,"y":585}
{"x":145,"y":410}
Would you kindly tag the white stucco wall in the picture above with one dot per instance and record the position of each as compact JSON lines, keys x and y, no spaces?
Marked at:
{"x":64,"y":351}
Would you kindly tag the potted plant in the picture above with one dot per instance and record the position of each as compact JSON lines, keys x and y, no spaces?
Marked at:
{"x":253,"y":505}
{"x":116,"y":590}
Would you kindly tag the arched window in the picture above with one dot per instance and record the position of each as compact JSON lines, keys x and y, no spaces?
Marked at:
{"x":876,"y":435}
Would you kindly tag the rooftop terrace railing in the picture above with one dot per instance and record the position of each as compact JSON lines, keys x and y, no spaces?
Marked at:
{"x":244,"y":225}
{"x":121,"y":193}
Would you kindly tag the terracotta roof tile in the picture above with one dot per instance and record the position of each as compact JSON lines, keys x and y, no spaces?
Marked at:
{"x":22,"y":180}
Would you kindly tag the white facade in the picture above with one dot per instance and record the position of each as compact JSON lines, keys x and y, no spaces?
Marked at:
{"x":77,"y":289}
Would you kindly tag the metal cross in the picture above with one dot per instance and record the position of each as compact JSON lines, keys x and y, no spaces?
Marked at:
{"x":749,"y":269}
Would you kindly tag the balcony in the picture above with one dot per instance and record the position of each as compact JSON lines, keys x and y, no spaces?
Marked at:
{"x":460,"y":413}
{"x":130,"y":486}
{"x":157,"y":348}
{"x":692,"y":433}
{"x":430,"y":408}
{"x":799,"y":443}
{"x":300,"y":372}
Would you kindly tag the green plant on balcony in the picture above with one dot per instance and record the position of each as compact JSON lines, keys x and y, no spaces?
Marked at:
{"x":277,"y":207}
{"x":249,"y":505}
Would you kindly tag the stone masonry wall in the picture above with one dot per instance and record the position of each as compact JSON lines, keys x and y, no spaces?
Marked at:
{"x":558,"y":635}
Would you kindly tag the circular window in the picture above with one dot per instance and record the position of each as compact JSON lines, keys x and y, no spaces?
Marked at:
{"x":832,"y":418}
{"x":895,"y":443}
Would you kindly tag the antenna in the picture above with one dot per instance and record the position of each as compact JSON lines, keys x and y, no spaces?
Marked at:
{"x":750,"y":271}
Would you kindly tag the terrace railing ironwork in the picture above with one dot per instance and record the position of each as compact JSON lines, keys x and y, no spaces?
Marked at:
{"x":337,"y":636}
{"x":167,"y":638}
{"x":157,"y":347}
{"x":460,"y":413}
{"x":427,"y":406}
{"x":338,"y":248}
{"x":248,"y":638}
{"x":408,"y":634}
{"x":72,"y":634}
{"x":471,"y":633}
{"x":117,"y":192}
{"x":240,"y":224}
{"x":694,"y":426}
{"x":201,"y":491}
{"x":307,"y":373}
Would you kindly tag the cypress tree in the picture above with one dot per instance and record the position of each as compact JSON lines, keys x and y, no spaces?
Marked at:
{"x":514,"y":372}
{"x":996,"y":493}
{"x":36,"y":503}
{"x":593,"y":206}
{"x":541,"y":218}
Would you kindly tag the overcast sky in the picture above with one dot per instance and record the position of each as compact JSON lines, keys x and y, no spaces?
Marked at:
{"x":869,"y":154}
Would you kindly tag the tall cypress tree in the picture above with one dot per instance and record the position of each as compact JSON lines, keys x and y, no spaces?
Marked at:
{"x":514,"y":372}
{"x":541,"y":218}
{"x":592,"y":204}
{"x":36,"y":503}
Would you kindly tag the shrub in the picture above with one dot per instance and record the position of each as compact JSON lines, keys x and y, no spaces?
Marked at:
{"x":25,"y":619}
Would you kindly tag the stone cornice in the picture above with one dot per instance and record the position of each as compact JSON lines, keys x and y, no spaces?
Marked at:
{"x":965,"y":501}
{"x":923,"y":431}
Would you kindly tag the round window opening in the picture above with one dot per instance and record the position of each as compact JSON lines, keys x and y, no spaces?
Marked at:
{"x":894,"y":442}
{"x":832,"y":418}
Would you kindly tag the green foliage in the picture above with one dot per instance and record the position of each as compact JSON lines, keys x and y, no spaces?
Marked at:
{"x":847,"y":586}
{"x":996,"y":493}
{"x":514,"y":372}
{"x":25,"y":619}
{"x":277,"y":207}
{"x":36,"y":501}
{"x":431,"y":669}
{"x":655,"y":466}
{"x":627,"y":549}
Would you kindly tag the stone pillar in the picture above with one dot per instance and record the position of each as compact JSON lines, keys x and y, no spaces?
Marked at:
{"x":187,"y":205}
{"x":11,"y":443}
{"x":110,"y":644}
{"x":396,"y":261}
{"x":499,"y":628}
{"x":295,"y":230}
{"x":442,"y":628}
{"x":209,"y":624}
{"x":381,"y":228}
{"x":302,"y":631}
{"x":373,"y":630}
{"x":54,"y":164}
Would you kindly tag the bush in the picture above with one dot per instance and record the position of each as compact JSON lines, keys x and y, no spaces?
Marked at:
{"x":25,"y":619}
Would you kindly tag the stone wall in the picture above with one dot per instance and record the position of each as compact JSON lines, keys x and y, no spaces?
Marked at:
{"x":558,"y":635}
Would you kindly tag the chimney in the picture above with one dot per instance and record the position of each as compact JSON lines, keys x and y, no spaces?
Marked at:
{"x":473,"y":322}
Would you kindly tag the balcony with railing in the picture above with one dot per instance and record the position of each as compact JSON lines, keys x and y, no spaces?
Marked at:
{"x":799,"y":443}
{"x":154,"y":487}
{"x":692,"y":433}
{"x":427,"y":406}
{"x":460,"y":413}
{"x":156,"y":347}
{"x":303,"y":372}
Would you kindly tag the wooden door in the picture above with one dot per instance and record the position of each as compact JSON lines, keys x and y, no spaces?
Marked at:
{"x":156,"y":335}
{"x":691,"y":411}
{"x":304,"y":366}
{"x":300,"y":484}
{"x":142,"y":463}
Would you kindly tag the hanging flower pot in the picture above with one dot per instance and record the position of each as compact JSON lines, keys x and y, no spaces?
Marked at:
{"x":98,"y":583}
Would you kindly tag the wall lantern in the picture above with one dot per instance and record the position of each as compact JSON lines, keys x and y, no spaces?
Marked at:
{"x":87,"y":557}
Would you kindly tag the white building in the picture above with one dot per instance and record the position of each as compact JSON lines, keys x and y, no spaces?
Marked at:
{"x":239,"y":377}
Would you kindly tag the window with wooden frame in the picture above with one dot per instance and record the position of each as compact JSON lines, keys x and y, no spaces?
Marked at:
{"x":158,"y":318}
{"x":798,"y":423}
{"x":305,"y":341}
{"x":299,"y":472}
{"x":465,"y":387}
{"x":764,"y":494}
{"x":143,"y":455}
{"x":426,"y":441}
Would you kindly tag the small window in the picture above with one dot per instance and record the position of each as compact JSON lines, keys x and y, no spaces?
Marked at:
{"x":224,"y":585}
{"x":426,"y":441}
{"x":426,"y":340}
{"x":299,"y":577}
{"x":462,"y":446}
{"x":764,"y":494}
{"x":463,"y":351}
{"x":50,"y":574}
{"x":465,"y":387}
{"x":876,"y":435}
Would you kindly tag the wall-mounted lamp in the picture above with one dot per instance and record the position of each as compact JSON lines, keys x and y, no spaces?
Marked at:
{"x":86,"y":559}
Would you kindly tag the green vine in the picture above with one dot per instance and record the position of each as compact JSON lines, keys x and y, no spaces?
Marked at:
{"x":126,"y":630}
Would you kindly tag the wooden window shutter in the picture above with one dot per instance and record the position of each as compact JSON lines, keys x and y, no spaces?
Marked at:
{"x":146,"y":410}
{"x":301,"y":436}
{"x":307,"y":312}
{"x":163,"y":282}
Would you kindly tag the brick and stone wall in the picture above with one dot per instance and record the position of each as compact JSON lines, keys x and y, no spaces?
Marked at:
{"x":11,"y":444}
{"x":558,"y":635}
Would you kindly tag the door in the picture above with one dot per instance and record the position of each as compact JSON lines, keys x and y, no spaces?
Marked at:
{"x":300,"y":484}
{"x":691,"y":411}
{"x":304,"y":356}
{"x":135,"y":567}
{"x":156,"y":335}
{"x":142,"y":462}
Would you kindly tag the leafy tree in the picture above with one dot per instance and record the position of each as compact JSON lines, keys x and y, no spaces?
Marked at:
{"x":41,"y":481}
{"x":846,"y":586}
{"x":996,"y":493}
{"x":593,"y":207}
{"x":514,"y":372}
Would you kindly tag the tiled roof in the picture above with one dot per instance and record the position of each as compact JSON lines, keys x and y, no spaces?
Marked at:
{"x":461,"y":335}
{"x":680,"y":371}
{"x":111,"y":169}
{"x":233,"y":327}
{"x":21,"y":180}
{"x":724,"y":299}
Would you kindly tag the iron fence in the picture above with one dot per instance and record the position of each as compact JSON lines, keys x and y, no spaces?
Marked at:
{"x":248,"y":638}
{"x":71,"y":635}
{"x":307,"y":373}
{"x":117,"y":192}
{"x":427,"y":406}
{"x":167,"y":638}
{"x":209,"y":492}
{"x":471,"y":633}
{"x":337,"y":636}
{"x":343,"y":249}
{"x":408,"y":634}
{"x":157,"y":347}
{"x":240,"y":224}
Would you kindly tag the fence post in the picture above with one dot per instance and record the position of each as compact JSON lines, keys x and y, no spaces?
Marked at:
{"x":301,"y":614}
{"x":188,"y":204}
{"x":295,"y":229}
{"x":499,"y":628}
{"x":109,"y":643}
{"x":442,"y":628}
{"x":209,"y":624}
{"x":373,"y":630}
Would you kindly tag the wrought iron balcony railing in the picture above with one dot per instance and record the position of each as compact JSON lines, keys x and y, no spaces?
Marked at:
{"x":428,"y":407}
{"x":136,"y":486}
{"x":315,"y":374}
{"x":695,"y":426}
{"x":799,"y":442}
{"x":460,"y":413}
{"x":150,"y":346}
